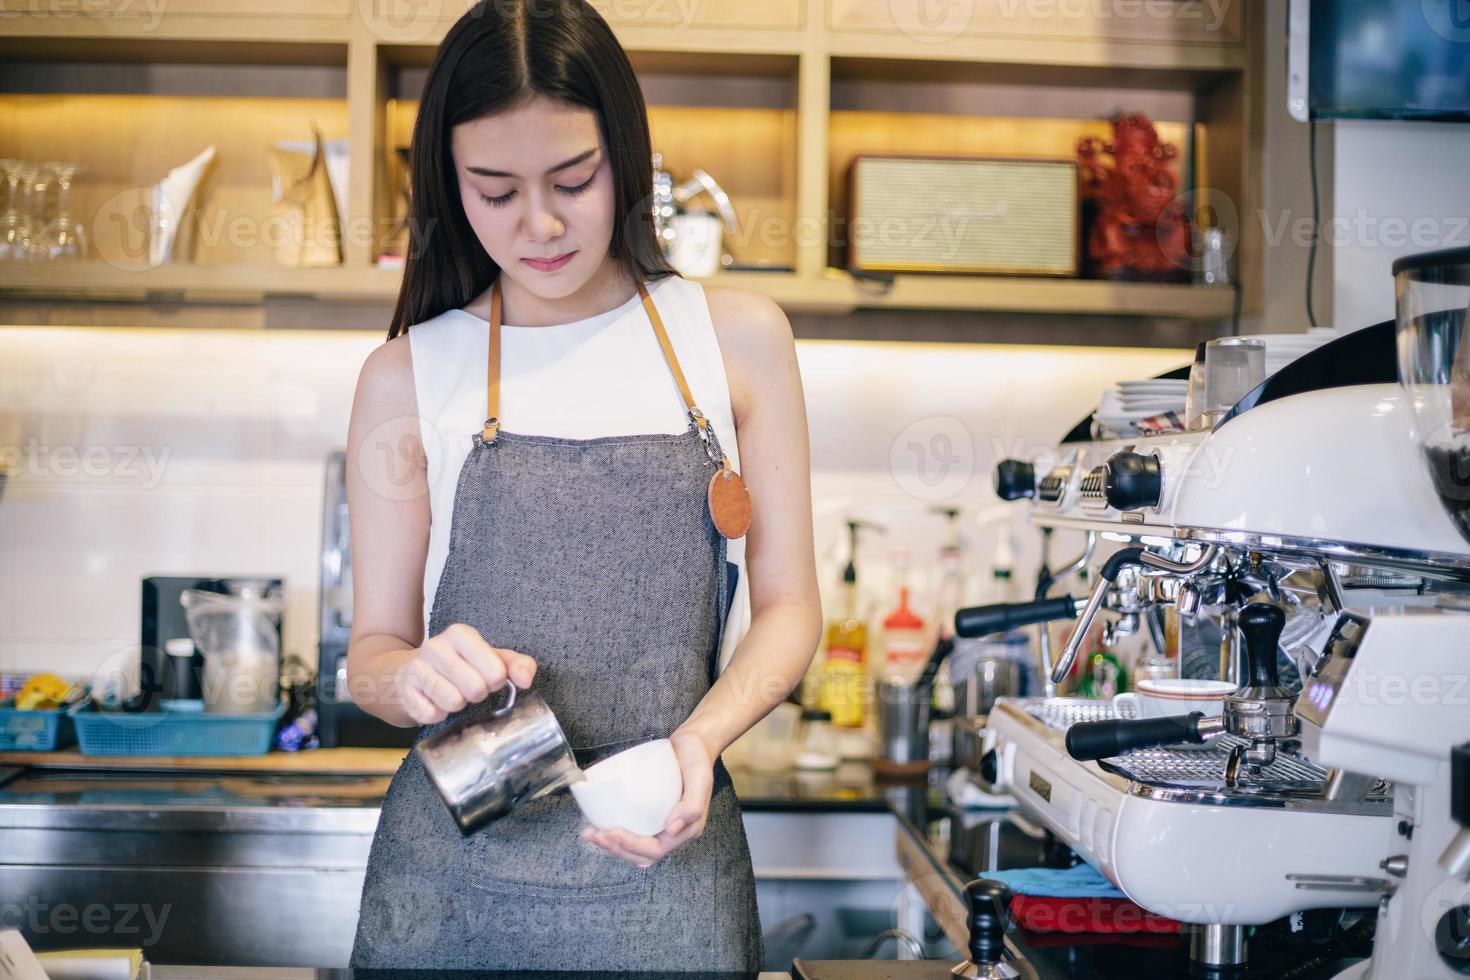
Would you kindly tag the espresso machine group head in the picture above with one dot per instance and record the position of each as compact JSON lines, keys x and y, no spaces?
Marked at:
{"x":1260,"y":712}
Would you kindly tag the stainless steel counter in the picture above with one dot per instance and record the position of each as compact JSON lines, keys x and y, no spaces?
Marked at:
{"x":266,"y":868}
{"x":180,"y":863}
{"x":307,"y":973}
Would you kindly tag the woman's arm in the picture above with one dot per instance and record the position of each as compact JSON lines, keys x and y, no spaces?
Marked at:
{"x":786,"y":614}
{"x":780,"y":563}
{"x":388,"y":508}
{"x":392,"y":672}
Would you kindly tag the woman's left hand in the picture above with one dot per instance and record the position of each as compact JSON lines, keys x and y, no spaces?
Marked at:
{"x":685,"y":821}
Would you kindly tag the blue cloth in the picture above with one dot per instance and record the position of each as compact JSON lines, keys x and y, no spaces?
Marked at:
{"x":1083,"y":881}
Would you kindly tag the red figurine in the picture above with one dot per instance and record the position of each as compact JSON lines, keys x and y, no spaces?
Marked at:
{"x":1140,"y":229}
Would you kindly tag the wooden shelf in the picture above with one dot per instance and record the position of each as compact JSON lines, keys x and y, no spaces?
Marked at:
{"x":834,"y":293}
{"x":795,"y":75}
{"x":1047,"y":61}
{"x":1029,"y":294}
{"x":255,"y":36}
{"x":198,"y":283}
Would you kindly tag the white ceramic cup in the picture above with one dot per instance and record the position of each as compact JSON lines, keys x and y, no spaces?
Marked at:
{"x":634,"y":790}
{"x":1165,"y":696}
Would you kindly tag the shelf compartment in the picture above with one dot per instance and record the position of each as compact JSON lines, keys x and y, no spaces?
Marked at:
{"x":732,"y":115}
{"x":130,"y":142}
{"x":851,"y":133}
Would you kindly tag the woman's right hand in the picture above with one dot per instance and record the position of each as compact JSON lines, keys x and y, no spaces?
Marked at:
{"x":455,"y":669}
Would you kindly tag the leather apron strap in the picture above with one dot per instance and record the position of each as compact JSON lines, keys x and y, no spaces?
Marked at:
{"x":492,"y":386}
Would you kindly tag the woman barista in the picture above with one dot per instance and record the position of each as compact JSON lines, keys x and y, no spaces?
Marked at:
{"x":546,"y":488}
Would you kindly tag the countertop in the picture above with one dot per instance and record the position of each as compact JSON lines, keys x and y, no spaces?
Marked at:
{"x":306,"y":973}
{"x":313,"y":790}
{"x":380,"y":762}
{"x":852,"y":786}
{"x":939,"y":845}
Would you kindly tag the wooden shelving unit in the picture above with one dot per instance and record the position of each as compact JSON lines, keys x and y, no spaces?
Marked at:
{"x":772,"y":96}
{"x":835,"y":292}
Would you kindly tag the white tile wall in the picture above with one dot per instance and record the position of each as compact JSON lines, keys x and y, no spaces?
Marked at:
{"x":139,"y":452}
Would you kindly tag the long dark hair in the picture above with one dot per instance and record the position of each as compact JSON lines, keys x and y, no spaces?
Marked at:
{"x":498,"y":54}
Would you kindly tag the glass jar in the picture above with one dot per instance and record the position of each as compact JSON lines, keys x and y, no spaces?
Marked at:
{"x":818,"y":741}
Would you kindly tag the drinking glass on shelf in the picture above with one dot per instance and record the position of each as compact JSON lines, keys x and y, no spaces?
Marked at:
{"x":15,"y":224}
{"x":1213,"y":248}
{"x":63,"y":237}
{"x":38,"y":179}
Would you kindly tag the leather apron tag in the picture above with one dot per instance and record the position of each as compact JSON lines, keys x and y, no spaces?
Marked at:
{"x":729,"y":502}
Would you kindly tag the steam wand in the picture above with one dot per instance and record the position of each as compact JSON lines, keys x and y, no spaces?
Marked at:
{"x":1105,"y":580}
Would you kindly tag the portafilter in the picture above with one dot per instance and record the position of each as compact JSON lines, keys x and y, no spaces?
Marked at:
{"x":1260,"y":711}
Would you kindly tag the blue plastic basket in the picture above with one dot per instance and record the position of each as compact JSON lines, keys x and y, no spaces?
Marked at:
{"x":33,"y":731}
{"x":181,"y":728}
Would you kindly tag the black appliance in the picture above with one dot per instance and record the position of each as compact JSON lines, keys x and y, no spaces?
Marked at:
{"x":340,"y":721}
{"x":163,"y":619}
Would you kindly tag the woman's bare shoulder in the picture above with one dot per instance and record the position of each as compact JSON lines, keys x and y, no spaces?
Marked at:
{"x":386,"y":378}
{"x":755,"y":341}
{"x":747,"y":320}
{"x":388,"y":368}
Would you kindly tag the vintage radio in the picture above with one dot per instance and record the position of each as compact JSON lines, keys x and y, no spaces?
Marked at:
{"x":970,"y":215}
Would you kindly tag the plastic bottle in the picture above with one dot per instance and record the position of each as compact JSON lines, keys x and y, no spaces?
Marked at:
{"x":844,"y":689}
{"x":905,"y":639}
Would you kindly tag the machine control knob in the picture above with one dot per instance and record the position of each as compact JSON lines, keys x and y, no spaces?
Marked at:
{"x":1133,"y":481}
{"x":989,"y":767}
{"x":1015,"y":480}
{"x":1396,"y":865}
{"x":1452,"y":936}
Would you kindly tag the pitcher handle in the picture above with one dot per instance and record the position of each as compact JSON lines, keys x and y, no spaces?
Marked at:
{"x":510,"y":698}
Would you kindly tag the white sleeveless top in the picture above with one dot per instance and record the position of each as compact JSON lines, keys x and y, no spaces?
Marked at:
{"x":602,"y":376}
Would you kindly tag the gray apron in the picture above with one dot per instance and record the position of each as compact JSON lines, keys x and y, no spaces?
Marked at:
{"x":598,"y":558}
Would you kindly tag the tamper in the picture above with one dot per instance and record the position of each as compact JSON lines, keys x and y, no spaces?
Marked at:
{"x":990,"y":903}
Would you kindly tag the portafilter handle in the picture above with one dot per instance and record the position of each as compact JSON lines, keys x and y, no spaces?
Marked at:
{"x":999,"y":617}
{"x":1260,"y":625}
{"x":1088,"y":741}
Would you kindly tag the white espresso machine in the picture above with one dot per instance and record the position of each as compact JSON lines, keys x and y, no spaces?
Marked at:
{"x":1306,"y":525}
